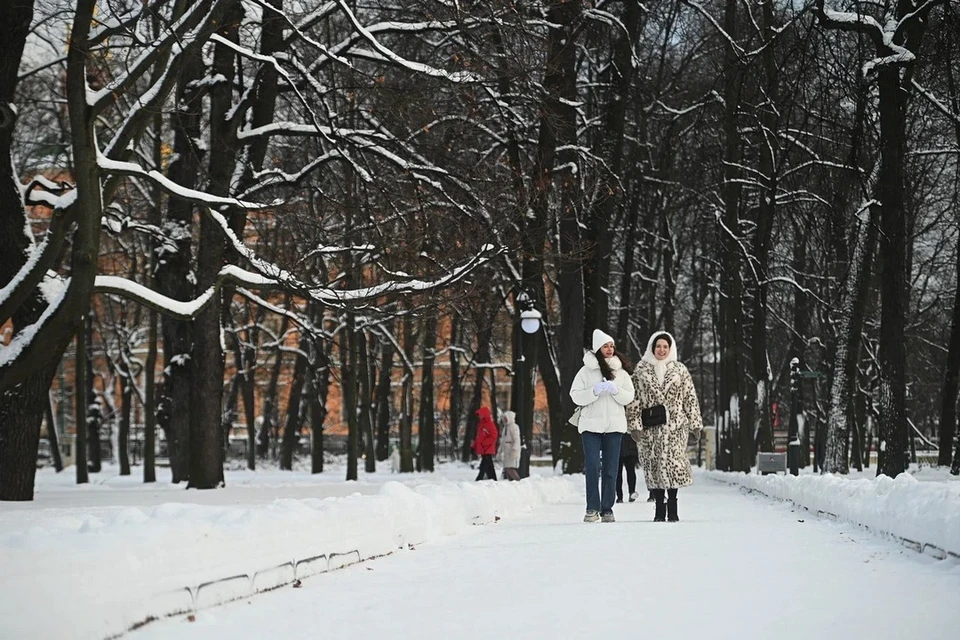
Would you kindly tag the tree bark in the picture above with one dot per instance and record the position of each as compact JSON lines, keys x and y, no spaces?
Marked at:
{"x":384,"y":397}
{"x":320,"y":385}
{"x":174,"y":272}
{"x":892,"y":427}
{"x":94,"y":416}
{"x":52,"y":436}
{"x":763,"y":238}
{"x":951,"y":376}
{"x":348,"y":388}
{"x":123,"y":433}
{"x":80,"y":407}
{"x":271,"y":419}
{"x":150,"y":401}
{"x":731,"y":285}
{"x":456,"y":387}
{"x":365,"y":403}
{"x":426,"y":448}
{"x":596,"y":272}
{"x":407,"y":403}
{"x":847,"y":352}
{"x":558,"y":130}
{"x":801,"y":324}
{"x":21,"y":408}
{"x":206,"y":391}
{"x":291,"y":434}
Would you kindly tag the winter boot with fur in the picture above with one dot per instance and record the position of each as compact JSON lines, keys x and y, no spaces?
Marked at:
{"x":672,"y":506}
{"x":660,"y":514}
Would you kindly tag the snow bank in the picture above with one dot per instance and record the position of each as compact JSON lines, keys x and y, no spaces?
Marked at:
{"x":925,"y":515}
{"x":96,"y":574}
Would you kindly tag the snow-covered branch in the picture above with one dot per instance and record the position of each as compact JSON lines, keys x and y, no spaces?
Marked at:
{"x":940,"y":106}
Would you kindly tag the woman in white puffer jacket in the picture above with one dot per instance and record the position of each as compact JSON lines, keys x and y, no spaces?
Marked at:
{"x":602,"y":389}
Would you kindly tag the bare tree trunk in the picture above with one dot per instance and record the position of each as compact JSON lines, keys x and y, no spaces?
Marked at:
{"x":320,"y":385}
{"x":123,"y":433}
{"x":229,"y":413}
{"x":801,"y":324}
{"x":731,"y":286}
{"x":271,"y":418}
{"x":630,"y":249}
{"x":951,"y":377}
{"x":174,"y":273}
{"x":456,"y":388}
{"x":892,"y":425}
{"x":53,"y":436}
{"x":150,"y":366}
{"x":763,"y":238}
{"x":847,"y":353}
{"x":558,"y":131}
{"x":291,"y":434}
{"x":206,"y":391}
{"x":955,"y":467}
{"x":365,"y":403}
{"x":384,"y":397}
{"x":596,"y":271}
{"x":426,"y":449}
{"x":150,"y":401}
{"x":348,"y":388}
{"x":94,"y":415}
{"x":407,"y":404}
{"x":21,"y":408}
{"x":80,"y":406}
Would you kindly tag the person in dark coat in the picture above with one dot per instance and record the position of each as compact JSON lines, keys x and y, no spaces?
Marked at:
{"x":629,"y":457}
{"x":485,"y":444}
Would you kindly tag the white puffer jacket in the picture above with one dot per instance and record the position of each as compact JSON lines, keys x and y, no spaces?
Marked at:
{"x":603,"y":413}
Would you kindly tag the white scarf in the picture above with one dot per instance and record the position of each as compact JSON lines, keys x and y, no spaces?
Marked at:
{"x":660,"y":366}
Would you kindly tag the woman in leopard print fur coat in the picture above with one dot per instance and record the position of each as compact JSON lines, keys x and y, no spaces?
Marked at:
{"x":660,"y":379}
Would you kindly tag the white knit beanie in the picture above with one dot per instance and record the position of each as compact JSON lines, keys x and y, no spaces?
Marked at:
{"x":599,"y":339}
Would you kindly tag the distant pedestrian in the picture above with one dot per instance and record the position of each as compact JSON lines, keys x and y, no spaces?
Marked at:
{"x":510,"y":446}
{"x":629,"y":458}
{"x":664,"y":415}
{"x":603,"y":388}
{"x":394,"y":459}
{"x":485,"y":444}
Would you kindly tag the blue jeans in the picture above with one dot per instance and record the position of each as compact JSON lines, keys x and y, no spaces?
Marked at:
{"x":601,"y":461}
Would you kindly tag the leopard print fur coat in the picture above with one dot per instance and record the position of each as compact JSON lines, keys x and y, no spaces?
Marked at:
{"x":663,"y":449}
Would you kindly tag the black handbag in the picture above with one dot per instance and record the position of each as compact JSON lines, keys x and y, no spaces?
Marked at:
{"x":654,"y":416}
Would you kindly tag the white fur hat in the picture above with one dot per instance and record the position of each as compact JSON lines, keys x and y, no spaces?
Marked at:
{"x":599,"y":339}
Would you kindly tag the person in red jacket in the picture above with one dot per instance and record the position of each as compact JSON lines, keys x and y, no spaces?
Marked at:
{"x":485,"y":444}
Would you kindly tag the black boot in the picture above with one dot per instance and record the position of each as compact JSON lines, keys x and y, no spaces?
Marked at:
{"x":660,"y":515}
{"x":672,"y":506}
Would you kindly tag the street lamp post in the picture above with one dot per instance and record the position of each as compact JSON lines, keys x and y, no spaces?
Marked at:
{"x":528,"y":321}
{"x":793,"y":437}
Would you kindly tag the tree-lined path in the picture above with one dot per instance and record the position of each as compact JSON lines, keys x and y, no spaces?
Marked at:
{"x":737,"y":565}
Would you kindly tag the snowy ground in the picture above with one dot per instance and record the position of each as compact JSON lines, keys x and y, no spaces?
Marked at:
{"x":88,"y":562}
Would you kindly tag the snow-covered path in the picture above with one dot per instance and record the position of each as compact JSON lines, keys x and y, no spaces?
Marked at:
{"x":738,"y":565}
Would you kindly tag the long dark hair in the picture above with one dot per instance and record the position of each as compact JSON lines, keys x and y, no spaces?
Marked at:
{"x":605,"y":369}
